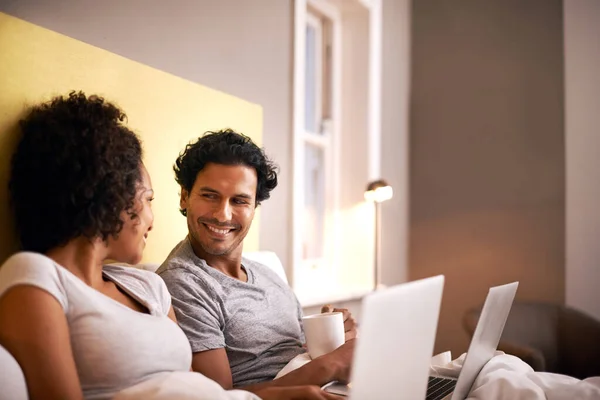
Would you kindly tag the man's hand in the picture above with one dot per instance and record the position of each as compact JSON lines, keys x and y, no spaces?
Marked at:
{"x":295,"y":393}
{"x":334,"y":366}
{"x":340,"y":360}
{"x":349,"y":322}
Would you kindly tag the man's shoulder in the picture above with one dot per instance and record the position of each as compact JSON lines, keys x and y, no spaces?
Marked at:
{"x":183,"y":271}
{"x":264,"y":271}
{"x":179,"y":260}
{"x":258,"y":267}
{"x":182,"y":268}
{"x":177,"y":266}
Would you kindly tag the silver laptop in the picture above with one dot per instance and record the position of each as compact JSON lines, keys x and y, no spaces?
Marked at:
{"x":483,"y":345}
{"x":395,"y":364}
{"x":398,"y":324}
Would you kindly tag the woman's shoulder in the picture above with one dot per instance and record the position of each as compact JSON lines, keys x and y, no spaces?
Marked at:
{"x":133,"y":275}
{"x":28,"y":257}
{"x":27,"y":263}
{"x":34,"y":269}
{"x":129,"y":270}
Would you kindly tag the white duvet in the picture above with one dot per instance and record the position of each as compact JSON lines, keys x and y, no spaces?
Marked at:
{"x":181,"y":386}
{"x":504,"y":377}
{"x":508,"y":377}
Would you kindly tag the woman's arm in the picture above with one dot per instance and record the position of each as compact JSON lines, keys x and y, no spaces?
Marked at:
{"x":34,"y":329}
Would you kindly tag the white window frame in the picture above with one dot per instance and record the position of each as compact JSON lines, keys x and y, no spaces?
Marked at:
{"x":317,"y":25}
{"x":318,"y":139}
{"x":323,"y":140}
{"x":331,"y":9}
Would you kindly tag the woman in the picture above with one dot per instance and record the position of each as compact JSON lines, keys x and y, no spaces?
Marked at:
{"x":78,"y":329}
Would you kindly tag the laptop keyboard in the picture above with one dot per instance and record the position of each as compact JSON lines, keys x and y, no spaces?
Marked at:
{"x":438,"y":388}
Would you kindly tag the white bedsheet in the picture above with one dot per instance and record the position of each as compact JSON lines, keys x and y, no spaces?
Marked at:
{"x":181,"y":386}
{"x":504,"y":377}
{"x":508,"y":377}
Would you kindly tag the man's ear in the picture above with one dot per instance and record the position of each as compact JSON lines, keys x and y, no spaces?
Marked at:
{"x":183,"y":199}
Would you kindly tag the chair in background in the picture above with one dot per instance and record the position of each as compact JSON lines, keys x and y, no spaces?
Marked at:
{"x":549,"y":337}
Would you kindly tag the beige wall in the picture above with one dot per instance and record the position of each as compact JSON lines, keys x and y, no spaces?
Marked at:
{"x":487,"y":144}
{"x":487,"y":152}
{"x":396,"y":49}
{"x":582,"y":129}
{"x":243,"y":48}
{"x":356,"y":217}
{"x":394,"y":153}
{"x":43,"y":63}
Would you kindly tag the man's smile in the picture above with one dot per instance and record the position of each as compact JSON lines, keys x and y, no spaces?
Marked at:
{"x":218,"y":231}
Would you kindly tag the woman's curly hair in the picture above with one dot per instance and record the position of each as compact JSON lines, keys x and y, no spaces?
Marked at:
{"x":225,"y":147}
{"x":75,"y":170}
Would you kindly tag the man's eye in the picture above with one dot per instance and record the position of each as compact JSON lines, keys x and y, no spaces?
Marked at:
{"x":240,"y":201}
{"x":150,"y":199}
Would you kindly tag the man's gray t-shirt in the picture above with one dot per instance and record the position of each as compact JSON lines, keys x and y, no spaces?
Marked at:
{"x":258,"y":322}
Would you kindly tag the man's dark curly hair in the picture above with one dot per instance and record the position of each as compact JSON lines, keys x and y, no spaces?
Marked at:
{"x":225,"y":147}
{"x":75,"y":170}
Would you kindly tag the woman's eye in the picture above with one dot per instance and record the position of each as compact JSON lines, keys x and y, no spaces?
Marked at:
{"x":150,"y":199}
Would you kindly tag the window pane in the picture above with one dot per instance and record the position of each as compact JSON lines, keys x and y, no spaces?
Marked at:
{"x":311,"y":80}
{"x":314,"y":202}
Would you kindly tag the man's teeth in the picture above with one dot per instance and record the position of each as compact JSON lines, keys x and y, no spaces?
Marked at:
{"x":219,"y":231}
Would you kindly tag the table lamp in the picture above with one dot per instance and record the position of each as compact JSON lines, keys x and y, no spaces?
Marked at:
{"x":377,"y":192}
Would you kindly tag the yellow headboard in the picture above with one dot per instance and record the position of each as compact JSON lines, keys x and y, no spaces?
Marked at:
{"x":166,"y":111}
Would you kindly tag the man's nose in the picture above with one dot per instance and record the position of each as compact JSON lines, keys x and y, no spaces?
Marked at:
{"x":223,"y":212}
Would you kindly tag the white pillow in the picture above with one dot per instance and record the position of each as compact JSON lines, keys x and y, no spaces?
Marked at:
{"x":12,"y":380}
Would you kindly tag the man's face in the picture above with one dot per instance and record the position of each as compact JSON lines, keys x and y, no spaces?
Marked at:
{"x":220,"y":208}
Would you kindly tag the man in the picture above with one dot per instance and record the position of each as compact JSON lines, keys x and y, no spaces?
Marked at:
{"x":243,"y":322}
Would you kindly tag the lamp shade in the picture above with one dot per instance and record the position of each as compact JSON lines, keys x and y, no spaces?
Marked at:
{"x":378,"y":191}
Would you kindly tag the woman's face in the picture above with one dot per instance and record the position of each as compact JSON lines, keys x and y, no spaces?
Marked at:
{"x":129,"y":246}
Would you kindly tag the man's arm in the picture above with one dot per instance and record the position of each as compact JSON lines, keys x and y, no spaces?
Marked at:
{"x":334,"y":366}
{"x":266,"y":393}
{"x":214,"y":364}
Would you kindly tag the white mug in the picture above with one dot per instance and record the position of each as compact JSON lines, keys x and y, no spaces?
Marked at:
{"x":323,"y":332}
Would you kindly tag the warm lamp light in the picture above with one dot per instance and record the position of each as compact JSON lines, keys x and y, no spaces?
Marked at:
{"x":377,"y":192}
